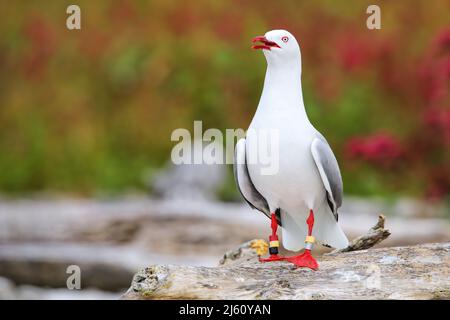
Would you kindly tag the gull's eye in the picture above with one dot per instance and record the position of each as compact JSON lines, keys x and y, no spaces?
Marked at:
{"x":285,"y":39}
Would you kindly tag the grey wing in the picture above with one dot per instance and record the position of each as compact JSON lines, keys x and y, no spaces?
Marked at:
{"x":329,"y":172}
{"x":244,"y":183}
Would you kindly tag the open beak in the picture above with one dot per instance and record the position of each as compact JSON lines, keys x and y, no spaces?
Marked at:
{"x":266,"y":44}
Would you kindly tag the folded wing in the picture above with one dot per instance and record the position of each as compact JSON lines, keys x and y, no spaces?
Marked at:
{"x":329,"y":172}
{"x":245,"y":184}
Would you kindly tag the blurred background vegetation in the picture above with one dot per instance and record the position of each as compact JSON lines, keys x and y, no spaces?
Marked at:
{"x":92,"y":110}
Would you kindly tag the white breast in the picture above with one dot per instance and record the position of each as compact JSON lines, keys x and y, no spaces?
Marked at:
{"x":296,"y":185}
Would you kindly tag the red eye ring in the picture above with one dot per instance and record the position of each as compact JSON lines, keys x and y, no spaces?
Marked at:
{"x":285,"y":39}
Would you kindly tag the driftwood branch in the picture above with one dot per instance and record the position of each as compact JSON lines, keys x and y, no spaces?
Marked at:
{"x":375,"y":235}
{"x":415,"y":272}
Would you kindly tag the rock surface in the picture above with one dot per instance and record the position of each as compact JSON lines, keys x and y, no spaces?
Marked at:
{"x":414,"y":272}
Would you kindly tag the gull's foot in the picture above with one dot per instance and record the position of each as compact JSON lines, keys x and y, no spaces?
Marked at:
{"x":304,"y":260}
{"x":272,"y":257}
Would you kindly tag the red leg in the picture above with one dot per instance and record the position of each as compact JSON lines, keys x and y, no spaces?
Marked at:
{"x":273,"y":242}
{"x":306,"y":259}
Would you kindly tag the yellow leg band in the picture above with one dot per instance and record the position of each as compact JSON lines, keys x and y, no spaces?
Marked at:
{"x":310,"y":239}
{"x":274,"y":243}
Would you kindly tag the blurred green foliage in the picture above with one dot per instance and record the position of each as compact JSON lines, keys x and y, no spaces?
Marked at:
{"x":93,"y":109}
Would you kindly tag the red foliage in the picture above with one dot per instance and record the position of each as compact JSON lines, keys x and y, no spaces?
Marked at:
{"x":42,"y":41}
{"x":434,"y":70}
{"x":228,"y":26}
{"x":183,"y":19}
{"x":380,"y":149}
{"x":123,"y":12}
{"x":95,"y":44}
{"x":442,"y":41}
{"x":439,"y":185}
{"x":357,"y":52}
{"x":352,"y":53}
{"x":438,"y":121}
